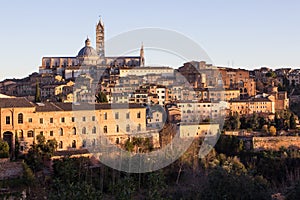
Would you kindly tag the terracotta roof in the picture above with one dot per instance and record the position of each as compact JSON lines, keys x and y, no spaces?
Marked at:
{"x":58,"y":106}
{"x":71,"y":152}
{"x":15,"y":103}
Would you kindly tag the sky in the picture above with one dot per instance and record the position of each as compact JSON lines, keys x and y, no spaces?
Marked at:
{"x":246,"y":34}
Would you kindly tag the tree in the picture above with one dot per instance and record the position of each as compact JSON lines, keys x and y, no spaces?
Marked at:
{"x":233,"y":122}
{"x":37,"y":92}
{"x":265,"y":128}
{"x":4,"y":149}
{"x":293,"y":124}
{"x":272,"y":130}
{"x":101,"y":98}
{"x":125,"y":188}
{"x":39,"y":152}
{"x":156,"y":185}
{"x":224,"y":185}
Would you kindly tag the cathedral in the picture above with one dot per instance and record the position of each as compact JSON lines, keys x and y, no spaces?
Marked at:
{"x":89,"y":58}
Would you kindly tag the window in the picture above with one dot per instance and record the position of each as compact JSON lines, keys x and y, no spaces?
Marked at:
{"x":94,"y":142}
{"x":128,"y":115}
{"x":62,"y":120}
{"x":73,"y":119}
{"x":127,"y":128}
{"x":117,"y":128}
{"x":41,"y":133}
{"x":94,"y":130}
{"x":105,"y":116}
{"x":117,"y":115}
{"x":83,"y":119}
{"x":51,"y":120}
{"x":139,"y":128}
{"x":41,"y":120}
{"x":61,"y":132}
{"x":84,"y":143}
{"x":20,"y":118}
{"x":30,"y":120}
{"x":60,"y":145}
{"x":30,"y":134}
{"x":83,"y":130}
{"x":139,"y":115}
{"x":51,"y":133}
{"x":7,"y":120}
{"x":105,"y":129}
{"x":73,"y":144}
{"x":93,"y":118}
{"x":117,"y":140}
{"x":74,"y":131}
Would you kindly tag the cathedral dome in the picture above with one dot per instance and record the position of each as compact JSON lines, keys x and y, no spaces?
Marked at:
{"x":87,"y":51}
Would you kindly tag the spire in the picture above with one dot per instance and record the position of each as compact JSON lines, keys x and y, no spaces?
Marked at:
{"x":100,"y":23}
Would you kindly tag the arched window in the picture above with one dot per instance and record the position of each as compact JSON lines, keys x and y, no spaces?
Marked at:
{"x":94,"y":131}
{"x":105,"y":129}
{"x":117,"y":128}
{"x":20,"y":118}
{"x":60,"y":145}
{"x":74,"y":131}
{"x":83,"y":130}
{"x":117,"y":140}
{"x":127,"y":128}
{"x":61,"y":132}
{"x":94,"y":142}
{"x":74,"y":144}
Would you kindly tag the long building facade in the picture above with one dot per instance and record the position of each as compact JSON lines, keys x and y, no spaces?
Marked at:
{"x":73,"y":126}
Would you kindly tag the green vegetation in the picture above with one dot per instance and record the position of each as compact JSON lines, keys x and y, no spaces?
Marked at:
{"x":40,"y":152}
{"x":4,"y":149}
{"x":282,"y":121}
{"x":101,"y":98}
{"x":229,"y":171}
{"x":37,"y":92}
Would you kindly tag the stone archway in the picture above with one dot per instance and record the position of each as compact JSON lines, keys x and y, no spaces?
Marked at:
{"x":8,"y":137}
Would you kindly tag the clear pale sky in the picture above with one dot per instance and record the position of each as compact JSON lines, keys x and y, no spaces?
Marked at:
{"x":248,"y":34}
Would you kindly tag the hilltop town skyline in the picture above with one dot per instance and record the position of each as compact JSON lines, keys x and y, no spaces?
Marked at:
{"x":150,"y":100}
{"x":249,"y":35}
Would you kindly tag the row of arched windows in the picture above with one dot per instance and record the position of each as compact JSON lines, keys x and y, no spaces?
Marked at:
{"x":74,"y":144}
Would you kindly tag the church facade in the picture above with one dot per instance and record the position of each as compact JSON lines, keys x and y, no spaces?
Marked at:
{"x":89,"y":58}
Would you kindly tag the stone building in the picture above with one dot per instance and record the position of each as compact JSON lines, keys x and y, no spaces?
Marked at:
{"x":199,"y":130}
{"x":258,"y":104}
{"x":74,"y":126}
{"x":238,"y":79}
{"x":89,"y":58}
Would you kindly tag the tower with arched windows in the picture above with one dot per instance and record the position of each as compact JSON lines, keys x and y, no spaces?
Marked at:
{"x":100,"y":39}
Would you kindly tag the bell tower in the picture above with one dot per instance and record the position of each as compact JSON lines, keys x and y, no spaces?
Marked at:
{"x":100,"y":38}
{"x":142,"y":56}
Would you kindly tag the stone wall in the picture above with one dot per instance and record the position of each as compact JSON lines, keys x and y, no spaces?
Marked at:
{"x":10,"y":170}
{"x":274,"y":143}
